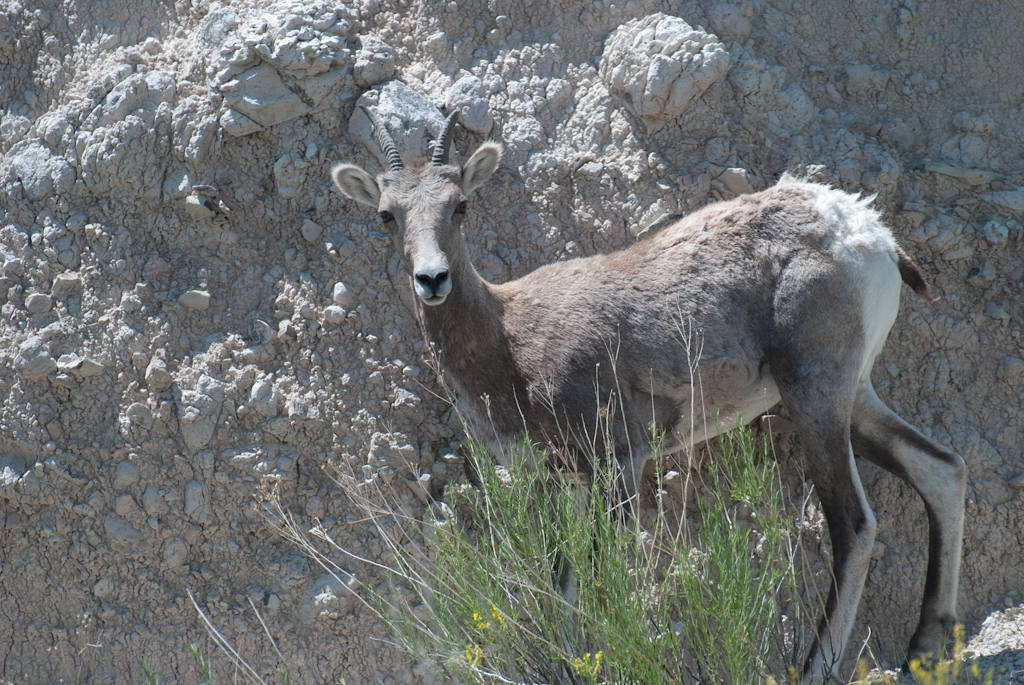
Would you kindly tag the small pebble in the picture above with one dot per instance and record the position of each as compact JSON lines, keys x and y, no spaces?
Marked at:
{"x":157,"y":376}
{"x":261,"y":332}
{"x":996,"y":234}
{"x":38,"y":303}
{"x":311,"y":231}
{"x":736,"y":180}
{"x":199,"y":207}
{"x":343,"y":295}
{"x":66,"y":284}
{"x":195,"y":299}
{"x":334,"y":314}
{"x":1017,"y":482}
{"x":126,"y":475}
{"x":90,"y":368}
{"x":421,"y":486}
{"x":981,"y":275}
{"x":996,"y":311}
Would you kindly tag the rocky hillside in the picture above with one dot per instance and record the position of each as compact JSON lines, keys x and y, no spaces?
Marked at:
{"x":193,"y":315}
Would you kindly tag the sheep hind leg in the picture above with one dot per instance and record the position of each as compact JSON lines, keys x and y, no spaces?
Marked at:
{"x":822,"y":415}
{"x":940,"y":477}
{"x":851,"y":526}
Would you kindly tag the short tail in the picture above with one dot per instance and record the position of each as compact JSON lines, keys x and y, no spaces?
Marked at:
{"x":911,"y":275}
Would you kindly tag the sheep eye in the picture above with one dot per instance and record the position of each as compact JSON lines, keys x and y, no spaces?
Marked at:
{"x":385,"y":216}
{"x":462,"y":208}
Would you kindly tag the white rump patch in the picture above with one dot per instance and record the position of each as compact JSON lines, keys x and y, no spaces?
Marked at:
{"x":856,"y":226}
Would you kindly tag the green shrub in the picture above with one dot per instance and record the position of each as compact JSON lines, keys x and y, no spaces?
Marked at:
{"x":489,"y":601}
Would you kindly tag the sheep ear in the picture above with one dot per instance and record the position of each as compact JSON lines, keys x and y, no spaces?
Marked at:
{"x":356,"y":184}
{"x":480,"y":166}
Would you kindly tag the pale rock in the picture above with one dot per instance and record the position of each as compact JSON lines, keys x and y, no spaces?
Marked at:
{"x":175,"y":553}
{"x":199,"y":207}
{"x":558,"y":92}
{"x":103,"y":588}
{"x":12,"y":468}
{"x":33,"y":360}
{"x":343,"y":295}
{"x":659,"y":64}
{"x":716,"y":150}
{"x":862,"y":81}
{"x":125,"y":475}
{"x":157,"y":376}
{"x":996,"y":311}
{"x":995,"y":233}
{"x":795,"y":110}
{"x":196,"y":427}
{"x":422,"y":487}
{"x":200,"y":400}
{"x":153,"y":502}
{"x":285,"y":331}
{"x":261,"y":332}
{"x":265,"y":398}
{"x":140,"y":93}
{"x":334,"y":314}
{"x":130,"y":302}
{"x":731,"y":21}
{"x":1010,"y":199}
{"x":315,"y":507}
{"x":139,"y":414}
{"x":38,"y":303}
{"x":375,"y":62}
{"x":412,"y":120}
{"x":122,"y":533}
{"x":13,"y":267}
{"x":89,"y":368}
{"x":467,"y":96}
{"x":13,"y":128}
{"x":311,"y":231}
{"x":124,"y":505}
{"x":66,"y":284}
{"x":522,"y":134}
{"x":198,"y":300}
{"x":299,"y":408}
{"x":981,"y":275}
{"x":436,"y":43}
{"x":39,"y":171}
{"x":237,"y":124}
{"x":195,"y":501}
{"x":736,"y":181}
{"x":1011,"y":368}
{"x":427,"y":456}
{"x":290,"y":174}
{"x":262,"y":96}
{"x":329,"y":597}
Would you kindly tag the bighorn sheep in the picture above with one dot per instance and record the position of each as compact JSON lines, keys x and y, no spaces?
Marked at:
{"x":793,"y":290}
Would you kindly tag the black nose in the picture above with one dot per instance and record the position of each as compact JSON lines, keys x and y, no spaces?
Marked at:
{"x":432,"y":282}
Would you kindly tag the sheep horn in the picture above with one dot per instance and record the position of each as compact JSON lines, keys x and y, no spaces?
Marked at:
{"x":445,"y":140}
{"x":387,"y":145}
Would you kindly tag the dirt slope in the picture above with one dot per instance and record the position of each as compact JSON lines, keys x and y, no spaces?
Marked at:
{"x":165,"y":352}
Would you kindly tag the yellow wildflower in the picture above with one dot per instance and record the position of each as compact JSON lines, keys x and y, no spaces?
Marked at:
{"x":473,"y":655}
